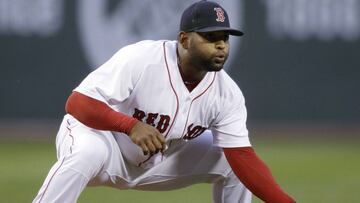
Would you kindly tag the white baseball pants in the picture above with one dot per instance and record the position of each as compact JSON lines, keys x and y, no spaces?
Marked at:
{"x":88,"y":157}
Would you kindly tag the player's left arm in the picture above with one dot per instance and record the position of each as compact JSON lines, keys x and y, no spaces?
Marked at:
{"x":230,"y":133}
{"x":255,"y":175}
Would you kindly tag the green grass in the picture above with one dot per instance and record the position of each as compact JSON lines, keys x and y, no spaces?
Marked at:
{"x":311,"y":170}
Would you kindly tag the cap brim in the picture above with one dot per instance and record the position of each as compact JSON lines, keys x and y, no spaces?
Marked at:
{"x":231,"y":31}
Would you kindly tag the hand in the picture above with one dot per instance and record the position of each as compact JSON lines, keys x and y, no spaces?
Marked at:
{"x":148,"y":138}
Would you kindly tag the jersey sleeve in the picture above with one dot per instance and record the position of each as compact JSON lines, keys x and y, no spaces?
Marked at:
{"x":229,"y":129}
{"x":114,"y":81}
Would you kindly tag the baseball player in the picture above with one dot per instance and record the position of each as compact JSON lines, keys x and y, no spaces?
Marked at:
{"x":161,"y":115}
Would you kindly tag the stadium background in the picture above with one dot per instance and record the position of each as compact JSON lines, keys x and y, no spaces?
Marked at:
{"x":298,"y":66}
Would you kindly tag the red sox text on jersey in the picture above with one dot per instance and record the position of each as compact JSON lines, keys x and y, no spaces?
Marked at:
{"x":162,"y":122}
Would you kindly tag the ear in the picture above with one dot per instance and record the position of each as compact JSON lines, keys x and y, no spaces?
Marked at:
{"x":183,"y":39}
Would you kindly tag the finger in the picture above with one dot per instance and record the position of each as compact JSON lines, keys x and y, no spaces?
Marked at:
{"x":162,"y":141}
{"x":158,"y":145}
{"x":151,"y":146}
{"x":161,"y":138}
{"x":144,"y":149}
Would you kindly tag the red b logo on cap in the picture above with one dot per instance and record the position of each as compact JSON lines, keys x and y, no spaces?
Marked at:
{"x":220,"y":14}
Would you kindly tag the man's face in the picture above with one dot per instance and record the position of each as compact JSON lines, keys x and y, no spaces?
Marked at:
{"x":209,"y":50}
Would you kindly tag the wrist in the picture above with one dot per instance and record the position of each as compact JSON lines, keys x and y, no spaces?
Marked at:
{"x":131,"y":124}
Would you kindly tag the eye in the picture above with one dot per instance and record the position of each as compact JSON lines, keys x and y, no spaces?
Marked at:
{"x":215,"y":36}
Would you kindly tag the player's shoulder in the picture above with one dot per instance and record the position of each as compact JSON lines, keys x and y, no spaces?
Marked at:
{"x":154,"y":46}
{"x":144,"y":49}
{"x":146,"y":45}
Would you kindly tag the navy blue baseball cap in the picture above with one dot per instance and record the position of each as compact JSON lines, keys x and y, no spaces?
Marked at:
{"x":206,"y":16}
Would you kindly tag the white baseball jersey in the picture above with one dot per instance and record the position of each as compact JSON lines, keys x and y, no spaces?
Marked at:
{"x":143,"y":80}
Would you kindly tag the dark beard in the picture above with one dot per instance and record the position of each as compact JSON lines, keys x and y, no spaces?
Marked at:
{"x":207,"y":64}
{"x":210,"y":64}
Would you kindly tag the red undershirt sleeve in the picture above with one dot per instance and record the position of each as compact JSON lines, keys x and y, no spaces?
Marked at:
{"x":255,"y":175}
{"x":96,"y":114}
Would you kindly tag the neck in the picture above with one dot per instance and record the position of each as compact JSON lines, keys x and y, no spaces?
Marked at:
{"x":189,"y":72}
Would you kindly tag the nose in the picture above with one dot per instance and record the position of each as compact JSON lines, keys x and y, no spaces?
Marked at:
{"x":221,"y":44}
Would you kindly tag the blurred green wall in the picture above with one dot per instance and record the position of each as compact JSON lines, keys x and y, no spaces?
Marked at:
{"x":284,"y":76}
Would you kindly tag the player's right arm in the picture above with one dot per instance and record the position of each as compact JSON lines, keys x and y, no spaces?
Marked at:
{"x":109,"y":85}
{"x":98,"y":115}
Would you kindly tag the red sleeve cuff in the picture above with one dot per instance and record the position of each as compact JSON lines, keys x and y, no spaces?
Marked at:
{"x":255,"y":175}
{"x":96,"y":114}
